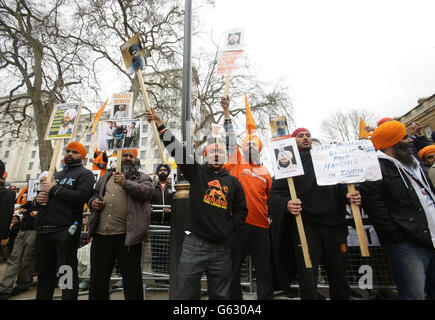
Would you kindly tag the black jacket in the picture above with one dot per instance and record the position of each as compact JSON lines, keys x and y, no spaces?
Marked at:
{"x":7,"y":204}
{"x":161,"y":197}
{"x":66,"y":199}
{"x":394,"y":207}
{"x":27,"y":222}
{"x":217,"y":203}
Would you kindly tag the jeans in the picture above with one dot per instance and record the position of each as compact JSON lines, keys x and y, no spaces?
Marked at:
{"x":199,"y":256}
{"x":52,"y":251}
{"x":413,"y":269}
{"x":255,"y":241}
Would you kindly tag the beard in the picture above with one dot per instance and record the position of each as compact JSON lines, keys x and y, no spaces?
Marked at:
{"x":128,"y":169}
{"x":252,"y":155}
{"x":402,"y":152}
{"x":163,"y":177}
{"x":283,"y":164}
{"x":71,"y":161}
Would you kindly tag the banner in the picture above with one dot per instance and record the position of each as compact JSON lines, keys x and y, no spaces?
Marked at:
{"x":63,"y":121}
{"x":118,"y":135}
{"x":122,"y":106}
{"x":133,"y":55}
{"x":348,"y":162}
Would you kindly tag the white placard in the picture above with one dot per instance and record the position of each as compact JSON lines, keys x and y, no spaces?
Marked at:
{"x":32,"y":189}
{"x":348,"y":162}
{"x":122,"y":106}
{"x":217,"y":130}
{"x":96,"y":175}
{"x":286,"y":161}
{"x":234,"y":39}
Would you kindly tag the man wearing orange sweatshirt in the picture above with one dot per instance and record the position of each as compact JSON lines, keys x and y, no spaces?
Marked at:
{"x":253,"y":237}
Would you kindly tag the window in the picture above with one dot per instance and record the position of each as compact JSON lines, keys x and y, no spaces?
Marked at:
{"x":87,"y":149}
{"x":7,"y":154}
{"x":1,"y":143}
{"x":33,"y":154}
{"x":145,"y":128}
{"x":30,"y":166}
{"x":173,"y":102}
{"x":9,"y":143}
{"x":35,"y":143}
{"x":85,"y":162}
{"x":88,"y":138}
{"x":27,"y":177}
{"x":143,"y":154}
{"x":173,"y":125}
{"x":144,"y":142}
{"x":156,"y":154}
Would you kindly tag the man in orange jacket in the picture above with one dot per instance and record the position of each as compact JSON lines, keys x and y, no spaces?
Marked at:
{"x":253,"y":237}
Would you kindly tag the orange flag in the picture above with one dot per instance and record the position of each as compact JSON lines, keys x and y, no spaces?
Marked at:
{"x":362,"y":132}
{"x":251,"y":127}
{"x":98,"y":115}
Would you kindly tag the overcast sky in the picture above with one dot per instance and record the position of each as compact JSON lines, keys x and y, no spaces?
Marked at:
{"x":338,"y":54}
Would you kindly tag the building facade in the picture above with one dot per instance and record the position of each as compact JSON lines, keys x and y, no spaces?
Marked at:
{"x":423,"y":113}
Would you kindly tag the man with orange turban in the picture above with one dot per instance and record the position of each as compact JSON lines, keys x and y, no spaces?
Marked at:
{"x":253,"y":237}
{"x":60,"y":206}
{"x":427,"y":155}
{"x":120,"y":201}
{"x":402,"y":209}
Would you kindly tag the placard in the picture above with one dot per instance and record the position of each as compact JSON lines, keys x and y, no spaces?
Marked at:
{"x":118,"y":135}
{"x":348,"y":162}
{"x":32,"y":189}
{"x":63,"y":121}
{"x":279,"y":127}
{"x":133,"y":55}
{"x":230,"y":61}
{"x":286,"y":161}
{"x":234,"y":39}
{"x":122,"y":106}
{"x":96,"y":175}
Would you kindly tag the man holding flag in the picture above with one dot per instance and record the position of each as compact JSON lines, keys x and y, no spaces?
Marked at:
{"x":253,"y":237}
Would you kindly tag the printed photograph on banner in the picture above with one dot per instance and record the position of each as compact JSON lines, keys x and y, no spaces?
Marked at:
{"x":217,"y":131}
{"x":122,"y":106}
{"x":32,"y":189}
{"x":173,"y":179}
{"x":234,"y":40}
{"x":279,"y":127}
{"x":133,"y":55}
{"x":111,"y":162}
{"x":63,"y":121}
{"x":116,"y":135}
{"x":97,"y":175}
{"x":347,"y":162}
{"x":286,"y":161}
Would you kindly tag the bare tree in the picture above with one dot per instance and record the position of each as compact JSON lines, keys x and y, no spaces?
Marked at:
{"x":344,"y":125}
{"x":41,"y":64}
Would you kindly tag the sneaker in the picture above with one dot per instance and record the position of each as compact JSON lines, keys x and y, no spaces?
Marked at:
{"x":17,"y":290}
{"x":117,"y":284}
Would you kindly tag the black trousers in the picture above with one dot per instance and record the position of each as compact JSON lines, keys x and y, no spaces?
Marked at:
{"x":328,"y":245}
{"x":105,"y":250}
{"x":254,"y":241}
{"x":55,"y":250}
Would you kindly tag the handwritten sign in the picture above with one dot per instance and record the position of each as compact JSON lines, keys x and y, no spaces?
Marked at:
{"x":348,"y":162}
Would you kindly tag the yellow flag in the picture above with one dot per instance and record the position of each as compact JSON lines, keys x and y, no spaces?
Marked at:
{"x":251,"y":127}
{"x":362,"y":132}
{"x":98,"y":115}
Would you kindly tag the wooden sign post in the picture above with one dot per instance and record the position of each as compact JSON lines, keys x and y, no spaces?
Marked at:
{"x":300,"y":226}
{"x":359,"y":224}
{"x":153,"y":124}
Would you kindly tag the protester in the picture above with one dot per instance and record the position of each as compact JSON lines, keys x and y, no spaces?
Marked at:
{"x":21,"y":264}
{"x":427,"y":155}
{"x":402,"y":209}
{"x":217,"y":208}
{"x":7,"y":201}
{"x":160,"y":241}
{"x":253,"y":237}
{"x":121,"y":200}
{"x":56,"y":246}
{"x":13,"y":231}
{"x":323,"y":211}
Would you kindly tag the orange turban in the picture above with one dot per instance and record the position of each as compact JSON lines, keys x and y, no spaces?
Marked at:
{"x":428,"y":150}
{"x":388,"y":134}
{"x":214,"y":146}
{"x":252,"y":137}
{"x":5,"y":175}
{"x":133,"y":151}
{"x":383,"y":120}
{"x":77,"y":146}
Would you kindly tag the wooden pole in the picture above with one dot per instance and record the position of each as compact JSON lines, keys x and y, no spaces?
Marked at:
{"x":118,"y":160}
{"x":153,"y":124}
{"x":359,"y":225}
{"x":227,"y":85}
{"x":300,"y":225}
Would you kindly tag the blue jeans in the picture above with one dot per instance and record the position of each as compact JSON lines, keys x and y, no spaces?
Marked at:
{"x":413,"y":269}
{"x":199,"y":256}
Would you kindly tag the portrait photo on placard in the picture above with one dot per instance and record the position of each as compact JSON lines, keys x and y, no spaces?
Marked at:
{"x":122,"y":106}
{"x":279,"y":127}
{"x":286,"y":161}
{"x":116,"y":135}
{"x":234,"y":40}
{"x":133,"y":55}
{"x":63,"y":121}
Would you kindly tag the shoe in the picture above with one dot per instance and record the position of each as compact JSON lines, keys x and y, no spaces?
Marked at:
{"x":117,"y":284}
{"x":17,"y":290}
{"x":84,"y":284}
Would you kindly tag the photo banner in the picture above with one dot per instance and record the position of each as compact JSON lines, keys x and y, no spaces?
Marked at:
{"x":63,"y":121}
{"x":132,"y":55}
{"x":118,"y":135}
{"x":122,"y":106}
